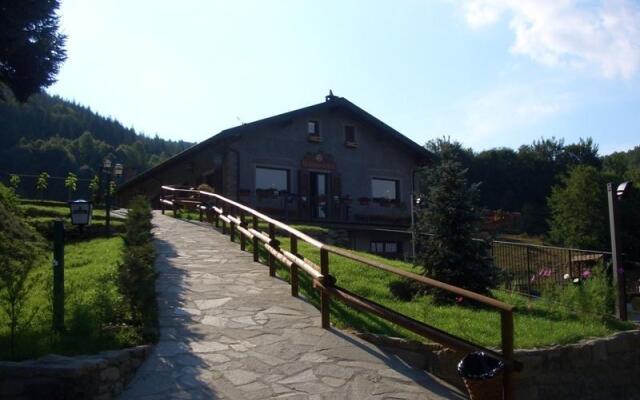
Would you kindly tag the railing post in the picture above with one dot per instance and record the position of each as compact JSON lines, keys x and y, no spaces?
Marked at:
{"x":294,"y":268}
{"x":256,"y":249}
{"x":175,"y":207}
{"x":232,"y":226}
{"x":324,"y":297}
{"x":200,"y":205}
{"x":272,"y":259}
{"x":224,"y":223}
{"x":162,"y":204}
{"x":243,"y":239}
{"x":215,"y":214}
{"x":506,"y":323}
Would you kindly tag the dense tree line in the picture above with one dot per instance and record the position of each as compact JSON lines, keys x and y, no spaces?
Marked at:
{"x":50,"y":134}
{"x":559,"y":189}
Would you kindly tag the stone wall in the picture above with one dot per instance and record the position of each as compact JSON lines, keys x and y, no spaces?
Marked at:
{"x":603,"y":368}
{"x":100,"y":376}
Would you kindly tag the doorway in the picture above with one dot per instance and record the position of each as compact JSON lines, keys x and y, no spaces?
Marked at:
{"x":318,"y":194}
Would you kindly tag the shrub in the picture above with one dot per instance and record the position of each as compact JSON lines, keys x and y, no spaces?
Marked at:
{"x":136,"y":273}
{"x":590,"y":294}
{"x":20,"y":248}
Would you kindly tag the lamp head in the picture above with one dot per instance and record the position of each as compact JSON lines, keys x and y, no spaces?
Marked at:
{"x":118,"y":170}
{"x":623,"y":189}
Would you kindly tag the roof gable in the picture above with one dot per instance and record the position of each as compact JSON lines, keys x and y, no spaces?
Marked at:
{"x":253,"y":127}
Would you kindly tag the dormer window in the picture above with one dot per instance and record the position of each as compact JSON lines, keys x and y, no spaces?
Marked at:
{"x":313,"y":131}
{"x":350,"y":136}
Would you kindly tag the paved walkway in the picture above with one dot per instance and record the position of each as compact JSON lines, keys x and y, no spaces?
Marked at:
{"x":229,"y":331}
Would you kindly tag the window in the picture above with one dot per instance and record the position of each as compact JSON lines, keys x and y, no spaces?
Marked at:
{"x":380,"y":247}
{"x":272,"y":179}
{"x":313,"y":128}
{"x":384,"y":189}
{"x":349,"y":134}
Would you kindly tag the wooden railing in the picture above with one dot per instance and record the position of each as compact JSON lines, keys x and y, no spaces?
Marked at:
{"x":235,"y":218}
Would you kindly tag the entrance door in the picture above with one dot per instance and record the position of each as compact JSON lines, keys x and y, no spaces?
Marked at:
{"x":319,"y":195}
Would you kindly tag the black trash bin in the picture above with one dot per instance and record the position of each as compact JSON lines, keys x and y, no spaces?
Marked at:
{"x":482,"y":375}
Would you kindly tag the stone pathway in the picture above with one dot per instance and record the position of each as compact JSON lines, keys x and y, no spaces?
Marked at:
{"x":229,"y":331}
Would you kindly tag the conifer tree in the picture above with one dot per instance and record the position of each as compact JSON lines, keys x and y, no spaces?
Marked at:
{"x":447,"y":225}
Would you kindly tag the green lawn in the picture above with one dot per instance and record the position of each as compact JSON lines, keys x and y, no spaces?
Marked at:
{"x":92,"y":301}
{"x":537,"y":323}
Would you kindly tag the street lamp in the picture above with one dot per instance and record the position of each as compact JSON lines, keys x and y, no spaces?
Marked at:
{"x":614,"y":197}
{"x":80,"y":212}
{"x":109,"y":171}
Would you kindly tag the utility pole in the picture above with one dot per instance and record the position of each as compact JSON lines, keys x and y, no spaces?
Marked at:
{"x":616,"y":253}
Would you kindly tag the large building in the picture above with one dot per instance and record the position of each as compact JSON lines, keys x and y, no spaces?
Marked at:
{"x":331,"y":163}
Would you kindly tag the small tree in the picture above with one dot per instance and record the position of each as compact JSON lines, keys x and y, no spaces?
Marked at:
{"x":447,"y":224}
{"x":71,"y":183}
{"x":94,"y":187}
{"x":20,"y":247}
{"x":42,"y":183}
{"x":14,"y":182}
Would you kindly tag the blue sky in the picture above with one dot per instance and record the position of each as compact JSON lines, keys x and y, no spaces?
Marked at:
{"x":489,"y":73}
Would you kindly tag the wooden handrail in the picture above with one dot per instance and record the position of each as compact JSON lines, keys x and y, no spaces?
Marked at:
{"x":422,"y":279}
{"x":325,"y":283}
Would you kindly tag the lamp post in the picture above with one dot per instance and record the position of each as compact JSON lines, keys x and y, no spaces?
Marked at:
{"x":109,"y":171}
{"x":614,"y":196}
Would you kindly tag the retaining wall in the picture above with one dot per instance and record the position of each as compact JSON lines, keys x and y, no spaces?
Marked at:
{"x":100,"y":376}
{"x":602,"y":368}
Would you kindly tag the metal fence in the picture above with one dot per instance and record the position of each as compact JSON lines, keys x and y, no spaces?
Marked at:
{"x":528,"y":267}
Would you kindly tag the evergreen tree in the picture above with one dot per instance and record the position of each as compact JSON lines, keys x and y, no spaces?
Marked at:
{"x":447,"y":224}
{"x":31,"y":48}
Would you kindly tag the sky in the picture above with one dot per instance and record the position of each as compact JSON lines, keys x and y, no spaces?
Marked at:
{"x":488,"y":73}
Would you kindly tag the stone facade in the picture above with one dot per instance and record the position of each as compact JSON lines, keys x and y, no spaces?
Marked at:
{"x":101,"y":376}
{"x":602,"y":368}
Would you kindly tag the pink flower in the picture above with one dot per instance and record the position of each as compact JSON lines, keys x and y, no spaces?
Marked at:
{"x":459,"y":299}
{"x":586,"y":274}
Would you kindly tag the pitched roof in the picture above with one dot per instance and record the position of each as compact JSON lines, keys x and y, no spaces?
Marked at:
{"x":331,"y":102}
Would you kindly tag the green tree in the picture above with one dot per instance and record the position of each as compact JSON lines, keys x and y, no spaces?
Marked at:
{"x":71,"y":183}
{"x":578,"y":207}
{"x":20,"y":247}
{"x":14,"y":182}
{"x":31,"y":48}
{"x":447,"y":223}
{"x":42,"y":183}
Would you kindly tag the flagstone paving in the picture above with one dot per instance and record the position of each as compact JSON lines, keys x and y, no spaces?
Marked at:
{"x":229,"y":331}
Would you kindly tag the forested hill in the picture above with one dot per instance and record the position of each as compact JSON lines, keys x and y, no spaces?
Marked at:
{"x":53,"y":135}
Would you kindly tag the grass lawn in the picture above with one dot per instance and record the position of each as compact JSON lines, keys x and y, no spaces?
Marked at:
{"x":94,"y":308}
{"x":537,"y":323}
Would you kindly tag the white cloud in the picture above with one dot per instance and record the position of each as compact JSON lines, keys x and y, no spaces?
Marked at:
{"x":600,"y":35}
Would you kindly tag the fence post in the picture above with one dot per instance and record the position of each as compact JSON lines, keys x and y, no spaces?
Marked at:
{"x":528,"y":270}
{"x":243,"y":239}
{"x":161,"y":204}
{"x":506,"y":324}
{"x":272,"y":259}
{"x":324,"y":297}
{"x":256,"y":250}
{"x":294,"y":268}
{"x":58,"y":275}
